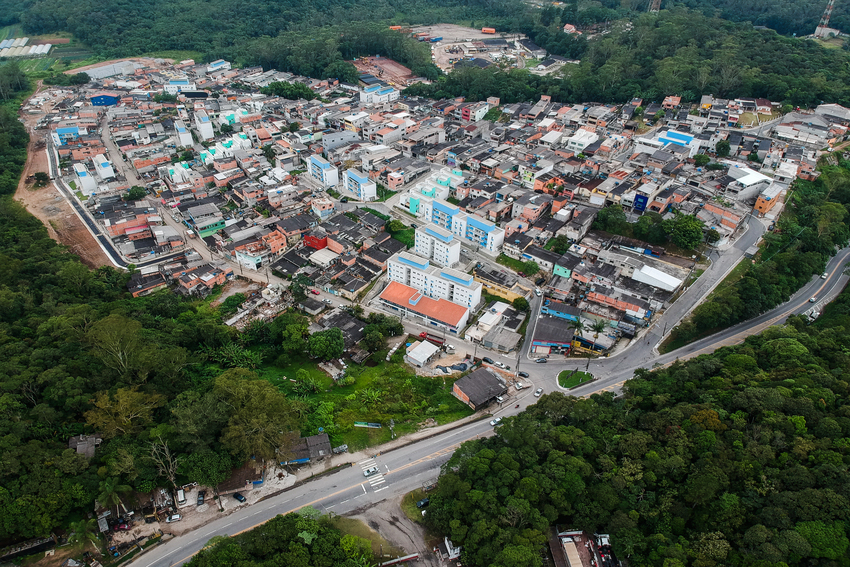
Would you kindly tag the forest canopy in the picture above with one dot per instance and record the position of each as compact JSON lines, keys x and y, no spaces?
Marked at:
{"x":739,"y":457}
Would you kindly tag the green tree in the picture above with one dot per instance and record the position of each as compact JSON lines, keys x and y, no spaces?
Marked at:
{"x":327,"y":344}
{"x":135,"y":193}
{"x":395,"y":225}
{"x":83,"y":532}
{"x":722,"y":148}
{"x":123,"y":413}
{"x":207,"y":468}
{"x":712,"y":236}
{"x":41,"y":178}
{"x":110,"y":491}
{"x":827,"y":540}
{"x":530,"y":268}
{"x":686,"y":231}
{"x":701,"y":160}
{"x":226,"y":129}
{"x":560,"y":244}
{"x":520,"y":304}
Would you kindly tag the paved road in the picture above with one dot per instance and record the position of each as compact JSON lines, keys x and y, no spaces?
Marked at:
{"x":409,"y":467}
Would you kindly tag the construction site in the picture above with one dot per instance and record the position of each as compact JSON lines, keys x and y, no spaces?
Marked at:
{"x":385,"y":69}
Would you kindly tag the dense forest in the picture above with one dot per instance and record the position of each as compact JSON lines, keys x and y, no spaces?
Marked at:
{"x":116,"y":28}
{"x":674,"y":52}
{"x":735,"y":458}
{"x":815,"y":224}
{"x":303,"y":539}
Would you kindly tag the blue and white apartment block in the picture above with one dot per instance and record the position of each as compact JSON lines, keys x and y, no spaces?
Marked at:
{"x":359,"y":184}
{"x":322,"y":171}
{"x":479,"y":232}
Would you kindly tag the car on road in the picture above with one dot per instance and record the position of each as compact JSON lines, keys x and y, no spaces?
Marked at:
{"x":121,"y":528}
{"x":540,"y":361}
{"x":328,"y":301}
{"x":370,"y":471}
{"x":488,"y":360}
{"x":344,"y":200}
{"x":813,"y":300}
{"x":824,"y":275}
{"x":201,"y":496}
{"x":173,"y":518}
{"x":538,"y":392}
{"x":499,"y":364}
{"x":239,"y":497}
{"x":422,"y":503}
{"x":537,"y":292}
{"x":496,"y":421}
{"x":314,"y":291}
{"x":519,"y":386}
{"x":522,"y":374}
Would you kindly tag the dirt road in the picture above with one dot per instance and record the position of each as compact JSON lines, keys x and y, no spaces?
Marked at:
{"x":148,"y":61}
{"x":47,"y":205}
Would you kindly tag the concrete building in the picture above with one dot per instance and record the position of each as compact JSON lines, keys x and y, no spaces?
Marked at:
{"x":322,"y":171}
{"x":102,"y":168}
{"x":437,"y":313}
{"x":359,"y":183}
{"x":433,"y":281}
{"x":580,"y":140}
{"x":204,"y":126}
{"x":473,"y":229}
{"x":376,"y":94}
{"x":437,"y":245}
{"x":175,"y":86}
{"x":85,"y":181}
{"x":184,"y":137}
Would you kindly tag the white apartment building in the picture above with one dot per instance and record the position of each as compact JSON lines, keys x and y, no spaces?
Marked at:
{"x":359,"y":183}
{"x":184,"y":137}
{"x":440,"y":184}
{"x":483,"y":234}
{"x":204,"y":125}
{"x":103,"y":168}
{"x":432,"y":281}
{"x":437,"y":245}
{"x":580,"y":140}
{"x":323,"y":171}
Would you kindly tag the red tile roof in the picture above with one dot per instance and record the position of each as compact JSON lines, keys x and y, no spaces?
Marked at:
{"x":437,"y":309}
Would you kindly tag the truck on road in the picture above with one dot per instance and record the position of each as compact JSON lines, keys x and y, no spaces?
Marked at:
{"x":435,"y":339}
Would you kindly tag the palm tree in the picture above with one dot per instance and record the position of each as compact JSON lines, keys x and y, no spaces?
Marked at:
{"x":83,"y":532}
{"x":578,"y":327}
{"x":110,"y":493}
{"x":597,"y":327}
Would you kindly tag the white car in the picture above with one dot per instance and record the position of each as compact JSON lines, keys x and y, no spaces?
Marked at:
{"x":824,"y":275}
{"x":496,"y":421}
{"x":538,"y":392}
{"x":370,"y":471}
{"x":499,"y":364}
{"x":537,"y":292}
{"x":328,"y":301}
{"x":520,"y":385}
{"x":173,"y":518}
{"x":813,"y":300}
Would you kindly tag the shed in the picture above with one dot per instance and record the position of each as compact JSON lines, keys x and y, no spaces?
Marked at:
{"x":422,"y":353}
{"x":478,"y":388}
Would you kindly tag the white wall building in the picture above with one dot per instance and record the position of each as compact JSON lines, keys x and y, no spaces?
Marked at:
{"x":438,"y":245}
{"x":359,"y":183}
{"x":184,"y":137}
{"x":204,"y":126}
{"x":102,"y":168}
{"x":85,"y":180}
{"x":482,"y":233}
{"x":322,"y":171}
{"x":433,"y":281}
{"x":376,"y":94}
{"x":580,"y":140}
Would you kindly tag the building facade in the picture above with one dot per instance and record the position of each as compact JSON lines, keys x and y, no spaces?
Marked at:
{"x":437,"y":245}
{"x":433,"y":281}
{"x":359,"y":183}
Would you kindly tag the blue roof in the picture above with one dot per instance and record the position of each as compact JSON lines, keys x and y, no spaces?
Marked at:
{"x":361,"y":179}
{"x":437,"y":235}
{"x":479,"y":224}
{"x":68,"y":130}
{"x":456,"y":279}
{"x":82,"y":173}
{"x":448,"y":209}
{"x":423,"y":265}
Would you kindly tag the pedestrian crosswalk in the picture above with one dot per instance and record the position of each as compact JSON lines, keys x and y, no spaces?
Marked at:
{"x":376,"y":480}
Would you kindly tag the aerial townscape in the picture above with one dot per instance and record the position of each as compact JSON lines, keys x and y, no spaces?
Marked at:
{"x":496,"y":284}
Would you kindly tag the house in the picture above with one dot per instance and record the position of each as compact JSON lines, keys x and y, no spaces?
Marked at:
{"x":421,"y":353}
{"x":478,"y":388}
{"x":85,"y":444}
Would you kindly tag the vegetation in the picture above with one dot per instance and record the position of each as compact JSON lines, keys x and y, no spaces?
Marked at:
{"x":814,"y":224}
{"x":302,"y":539}
{"x":291,"y":91}
{"x":675,"y":51}
{"x":573,"y":378}
{"x":529,"y":267}
{"x":685,"y":231}
{"x":734,"y":458}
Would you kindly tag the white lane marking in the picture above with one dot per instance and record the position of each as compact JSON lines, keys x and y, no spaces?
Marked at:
{"x":380,"y":489}
{"x":363,"y":486}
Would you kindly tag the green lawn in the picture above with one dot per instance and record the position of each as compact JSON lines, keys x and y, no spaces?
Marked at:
{"x":360,"y":529}
{"x":408,"y":505}
{"x":379,"y":393}
{"x":406,"y":236}
{"x":384,"y":194}
{"x":571,"y":379}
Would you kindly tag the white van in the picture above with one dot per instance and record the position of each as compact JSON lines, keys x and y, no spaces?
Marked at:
{"x":181,"y":497}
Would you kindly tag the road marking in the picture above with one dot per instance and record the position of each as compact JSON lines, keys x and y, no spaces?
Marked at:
{"x":380,"y":489}
{"x":363,"y":486}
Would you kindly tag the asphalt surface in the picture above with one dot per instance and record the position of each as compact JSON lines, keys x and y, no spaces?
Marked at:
{"x":412,"y":466}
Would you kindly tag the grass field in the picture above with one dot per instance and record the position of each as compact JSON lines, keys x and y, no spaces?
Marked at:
{"x":571,"y":379}
{"x":406,"y":236}
{"x":408,"y":505}
{"x":360,"y":529}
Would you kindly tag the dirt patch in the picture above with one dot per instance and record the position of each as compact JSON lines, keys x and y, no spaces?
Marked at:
{"x":387,"y":518}
{"x":147,"y":61}
{"x":47,"y":205}
{"x":237,"y":285}
{"x":386,"y":69}
{"x":60,"y":554}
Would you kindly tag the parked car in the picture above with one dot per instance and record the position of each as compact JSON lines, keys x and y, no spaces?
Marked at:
{"x":344,"y":200}
{"x":370,"y":471}
{"x":522,"y":374}
{"x":328,"y":301}
{"x":537,"y":292}
{"x":487,"y":360}
{"x":422,"y":503}
{"x":540,"y":361}
{"x":500,"y":399}
{"x":538,"y":392}
{"x":824,"y":275}
{"x":201,"y":496}
{"x":314,"y":291}
{"x":496,"y":421}
{"x":519,"y":386}
{"x":499,"y":364}
{"x":121,"y":528}
{"x":173,"y":518}
{"x":239,"y":497}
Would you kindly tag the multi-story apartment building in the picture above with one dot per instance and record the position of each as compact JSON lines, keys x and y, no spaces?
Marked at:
{"x":437,"y":245}
{"x":322,"y":171}
{"x":204,"y":125}
{"x":359,"y":183}
{"x":475,"y":230}
{"x":432,"y":281}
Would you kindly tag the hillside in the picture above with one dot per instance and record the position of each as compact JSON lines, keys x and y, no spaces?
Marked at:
{"x":735,"y":458}
{"x":116,"y":28}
